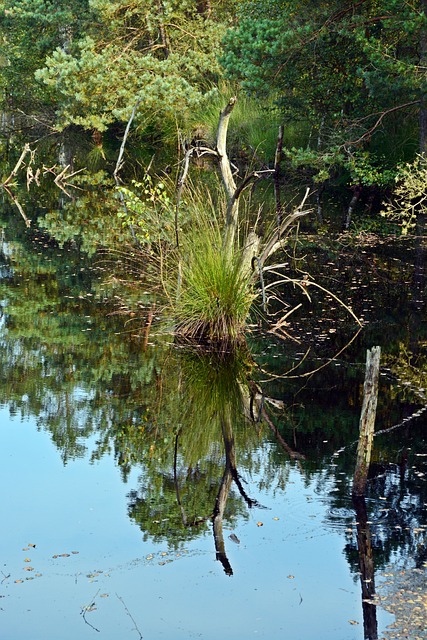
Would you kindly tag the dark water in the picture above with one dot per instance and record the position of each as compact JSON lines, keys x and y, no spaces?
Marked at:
{"x":150,"y":492}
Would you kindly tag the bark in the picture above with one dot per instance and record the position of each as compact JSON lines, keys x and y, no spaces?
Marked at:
{"x":163,"y":32}
{"x":228,"y":179}
{"x":423,"y":97}
{"x":357,"y":191}
{"x":119,"y":163}
{"x":367,"y":421}
{"x":277,"y":159}
{"x":274,"y":243}
{"x":250,"y":252}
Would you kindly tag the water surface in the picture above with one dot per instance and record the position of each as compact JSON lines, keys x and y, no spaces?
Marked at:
{"x":143,"y":496}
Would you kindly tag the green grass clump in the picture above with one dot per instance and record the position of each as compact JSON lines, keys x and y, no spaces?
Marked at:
{"x":214,"y":296}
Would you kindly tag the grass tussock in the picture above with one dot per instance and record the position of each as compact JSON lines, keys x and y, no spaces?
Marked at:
{"x":213,"y":297}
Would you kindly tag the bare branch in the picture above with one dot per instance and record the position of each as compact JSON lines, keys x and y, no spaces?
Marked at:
{"x":119,"y":163}
{"x":370,"y":131}
{"x":274,"y":243}
{"x":16,"y":168}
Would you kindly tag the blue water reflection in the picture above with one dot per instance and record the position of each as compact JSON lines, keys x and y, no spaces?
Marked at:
{"x":290,"y":579}
{"x":129,"y":470}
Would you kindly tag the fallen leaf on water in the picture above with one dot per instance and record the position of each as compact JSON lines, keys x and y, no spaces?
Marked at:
{"x":291,"y":577}
{"x":27,"y":560}
{"x":150,"y":557}
{"x":104,"y":595}
{"x":64,"y":555}
{"x":353,"y":622}
{"x":259,"y":524}
{"x":18,"y":581}
{"x":75,"y":552}
{"x":276,"y":518}
{"x":32,"y":545}
{"x":28,"y":569}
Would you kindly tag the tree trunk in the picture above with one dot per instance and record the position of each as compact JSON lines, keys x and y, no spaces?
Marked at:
{"x":423,"y":96}
{"x":367,"y":421}
{"x":277,"y":159}
{"x":228,"y":180}
{"x":357,"y":190}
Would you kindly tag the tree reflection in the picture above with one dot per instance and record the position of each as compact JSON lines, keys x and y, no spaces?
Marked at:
{"x":193,"y":472}
{"x":190,"y":424}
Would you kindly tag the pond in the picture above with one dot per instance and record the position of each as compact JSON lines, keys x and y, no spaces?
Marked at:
{"x":149,"y":492}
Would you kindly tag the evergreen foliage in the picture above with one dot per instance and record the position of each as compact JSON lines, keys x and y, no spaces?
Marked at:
{"x":352,"y":71}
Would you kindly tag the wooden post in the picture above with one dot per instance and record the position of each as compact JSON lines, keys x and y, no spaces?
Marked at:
{"x":367,"y":421}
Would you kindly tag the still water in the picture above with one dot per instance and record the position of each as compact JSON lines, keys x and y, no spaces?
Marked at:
{"x":150,"y":493}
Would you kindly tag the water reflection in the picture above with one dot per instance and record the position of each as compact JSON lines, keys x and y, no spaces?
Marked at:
{"x":206,"y":442}
{"x":367,"y":569}
{"x":193,"y":451}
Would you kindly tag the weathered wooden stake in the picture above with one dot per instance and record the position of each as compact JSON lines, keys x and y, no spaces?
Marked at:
{"x":367,"y":421}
